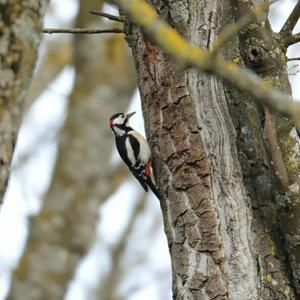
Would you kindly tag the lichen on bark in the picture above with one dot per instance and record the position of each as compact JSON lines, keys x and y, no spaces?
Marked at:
{"x":83,"y":178}
{"x":238,"y":191}
{"x":20,"y":34}
{"x":264,"y":52}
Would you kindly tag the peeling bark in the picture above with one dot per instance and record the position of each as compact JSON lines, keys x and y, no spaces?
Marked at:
{"x":212,"y":167}
{"x":20,"y":34}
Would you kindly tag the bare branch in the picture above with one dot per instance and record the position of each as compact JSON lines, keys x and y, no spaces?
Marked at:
{"x":231,"y":30}
{"x":291,"y":21}
{"x":292,"y":39}
{"x":82,"y":30}
{"x":107,"y":16}
{"x":186,"y":55}
{"x":293,"y":58}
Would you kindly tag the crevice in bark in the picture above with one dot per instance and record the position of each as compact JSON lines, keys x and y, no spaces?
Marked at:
{"x":281,"y":143}
{"x":190,"y":218}
{"x":235,"y":193}
{"x":277,"y":160}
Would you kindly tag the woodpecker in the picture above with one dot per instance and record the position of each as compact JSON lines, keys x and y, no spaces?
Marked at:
{"x":134,"y":150}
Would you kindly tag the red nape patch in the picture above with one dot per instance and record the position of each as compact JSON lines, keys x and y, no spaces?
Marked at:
{"x":110,"y":123}
{"x":147,"y":168}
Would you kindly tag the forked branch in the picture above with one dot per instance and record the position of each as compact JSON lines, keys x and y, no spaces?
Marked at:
{"x":185,"y":55}
{"x":292,"y":39}
{"x":232,"y":30}
{"x":291,"y":22}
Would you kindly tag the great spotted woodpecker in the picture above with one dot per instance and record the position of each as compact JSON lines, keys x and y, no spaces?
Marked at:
{"x":134,"y":150}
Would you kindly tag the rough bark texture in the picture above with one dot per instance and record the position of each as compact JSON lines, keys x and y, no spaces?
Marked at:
{"x":20,"y":34}
{"x":265,"y":52}
{"x":62,"y":233}
{"x":213,"y":167}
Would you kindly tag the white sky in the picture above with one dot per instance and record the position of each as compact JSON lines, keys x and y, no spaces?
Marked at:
{"x":28,"y":184}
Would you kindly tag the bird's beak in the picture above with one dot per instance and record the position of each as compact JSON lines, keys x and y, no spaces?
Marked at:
{"x":130,"y":114}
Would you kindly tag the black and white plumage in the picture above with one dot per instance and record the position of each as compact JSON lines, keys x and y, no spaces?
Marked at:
{"x":134,"y":150}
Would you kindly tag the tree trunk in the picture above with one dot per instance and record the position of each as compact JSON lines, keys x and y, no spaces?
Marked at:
{"x":20,"y":34}
{"x":64,"y":230}
{"x":213,"y":165}
{"x":265,"y":52}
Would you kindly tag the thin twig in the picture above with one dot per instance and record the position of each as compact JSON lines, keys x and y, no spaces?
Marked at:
{"x":107,"y":16}
{"x":293,"y":58}
{"x":82,"y":30}
{"x":291,"y":22}
{"x":292,"y":71}
{"x":292,"y":39}
{"x":295,"y":73}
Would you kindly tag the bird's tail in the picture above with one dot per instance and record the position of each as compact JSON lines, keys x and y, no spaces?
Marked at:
{"x":153,"y":188}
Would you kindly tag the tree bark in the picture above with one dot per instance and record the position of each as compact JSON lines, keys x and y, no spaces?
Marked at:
{"x":265,"y":52}
{"x":20,"y":34}
{"x":213,"y":166}
{"x":64,"y":230}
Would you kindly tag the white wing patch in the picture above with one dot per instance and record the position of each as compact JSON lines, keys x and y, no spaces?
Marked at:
{"x":145,"y":152}
{"x":130,"y":152}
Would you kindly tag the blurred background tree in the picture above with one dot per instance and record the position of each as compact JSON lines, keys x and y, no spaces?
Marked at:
{"x":85,"y":176}
{"x":79,"y":82}
{"x":20,"y":33}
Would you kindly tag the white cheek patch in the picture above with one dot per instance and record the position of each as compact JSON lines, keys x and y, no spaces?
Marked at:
{"x":118,"y":121}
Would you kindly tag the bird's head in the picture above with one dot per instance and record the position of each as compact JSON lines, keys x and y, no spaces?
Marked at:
{"x":119,"y":120}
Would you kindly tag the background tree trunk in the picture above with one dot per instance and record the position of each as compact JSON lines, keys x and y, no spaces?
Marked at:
{"x":20,"y":34}
{"x":213,"y":164}
{"x":265,"y":53}
{"x":64,"y":230}
{"x":228,"y":169}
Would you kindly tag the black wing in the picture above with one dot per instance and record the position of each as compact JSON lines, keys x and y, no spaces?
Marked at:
{"x":138,"y":170}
